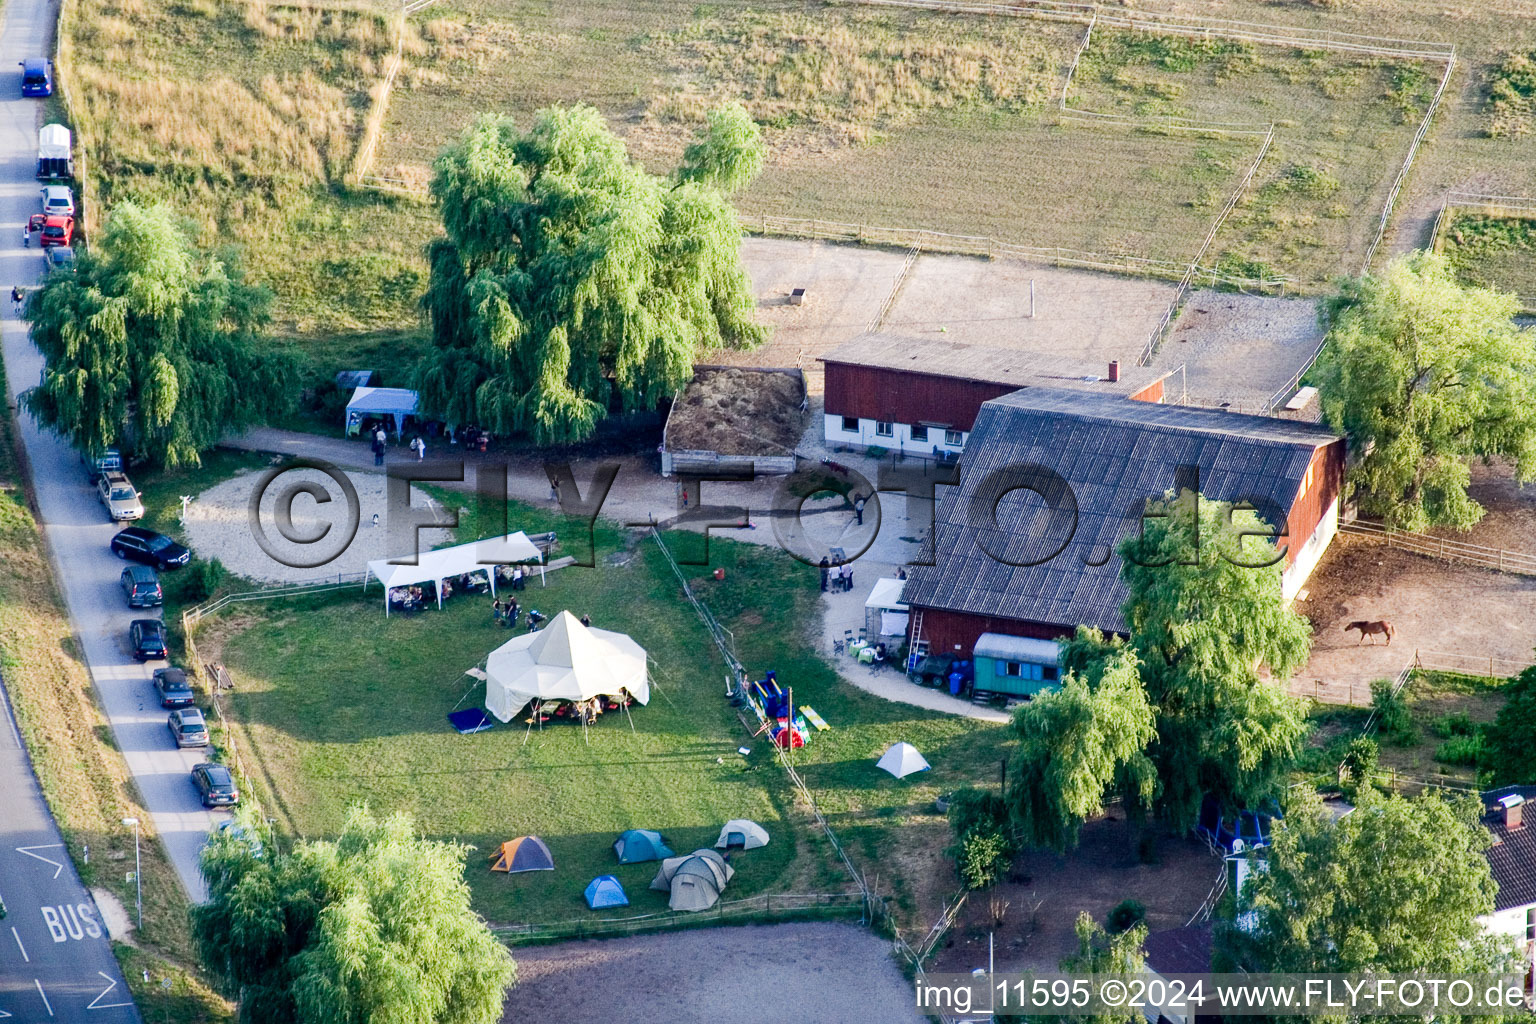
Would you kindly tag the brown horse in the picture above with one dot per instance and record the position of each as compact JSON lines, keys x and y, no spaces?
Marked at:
{"x":1371,"y":629}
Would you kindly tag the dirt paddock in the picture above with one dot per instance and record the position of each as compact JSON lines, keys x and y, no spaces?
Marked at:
{"x":818,"y":973}
{"x":1101,"y":872}
{"x":1455,"y":616}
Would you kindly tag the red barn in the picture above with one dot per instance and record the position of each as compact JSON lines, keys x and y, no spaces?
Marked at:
{"x":1102,"y":457}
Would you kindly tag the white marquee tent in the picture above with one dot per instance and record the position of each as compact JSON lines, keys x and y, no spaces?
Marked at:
{"x":444,"y":563}
{"x":563,"y":661}
{"x":396,"y":403}
{"x":885,"y":614}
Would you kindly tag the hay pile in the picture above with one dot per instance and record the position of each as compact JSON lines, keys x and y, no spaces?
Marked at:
{"x":738,"y":412}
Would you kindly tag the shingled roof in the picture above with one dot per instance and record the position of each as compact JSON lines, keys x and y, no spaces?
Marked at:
{"x":1513,"y":859}
{"x":1114,"y":454}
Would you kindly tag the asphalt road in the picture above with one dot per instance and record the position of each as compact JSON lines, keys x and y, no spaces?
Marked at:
{"x":55,"y":960}
{"x":73,"y":519}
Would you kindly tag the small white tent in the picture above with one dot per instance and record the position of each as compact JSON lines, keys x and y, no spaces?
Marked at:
{"x":563,"y":661}
{"x":902,"y":760}
{"x":884,"y":612}
{"x":748,"y":835}
{"x":396,"y":403}
{"x":444,"y":563}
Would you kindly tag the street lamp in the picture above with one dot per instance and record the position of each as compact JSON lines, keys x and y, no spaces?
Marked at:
{"x":138,"y":878}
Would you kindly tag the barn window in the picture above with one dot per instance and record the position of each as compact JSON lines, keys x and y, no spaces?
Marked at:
{"x":883,"y":429}
{"x":919,"y":433}
{"x":850,"y":424}
{"x":1530,"y":925}
{"x":954,"y":437}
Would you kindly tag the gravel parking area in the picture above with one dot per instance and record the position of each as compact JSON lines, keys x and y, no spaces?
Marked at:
{"x":815,"y":973}
{"x":220,"y":525}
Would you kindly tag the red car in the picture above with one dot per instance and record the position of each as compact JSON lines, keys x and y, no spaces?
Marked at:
{"x":58,"y":231}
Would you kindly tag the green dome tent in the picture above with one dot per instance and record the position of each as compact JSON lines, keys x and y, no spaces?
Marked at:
{"x":641,"y":844}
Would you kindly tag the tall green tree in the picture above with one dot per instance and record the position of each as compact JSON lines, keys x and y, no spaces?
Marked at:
{"x":1422,"y":373}
{"x":153,"y":345}
{"x":1082,"y":742}
{"x":571,"y":279}
{"x":1205,"y":613}
{"x":1396,"y":885}
{"x":1509,"y":742}
{"x":729,"y":152}
{"x":374,"y":926}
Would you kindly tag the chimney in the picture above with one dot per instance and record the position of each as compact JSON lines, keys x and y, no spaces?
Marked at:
{"x":1114,"y":370}
{"x":1513,"y":805}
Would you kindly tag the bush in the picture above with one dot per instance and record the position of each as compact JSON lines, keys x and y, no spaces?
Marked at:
{"x":196,"y":583}
{"x":972,"y":810}
{"x":1124,"y":916}
{"x":1394,"y":719}
{"x":984,"y":856}
{"x":1359,"y":762}
{"x":1461,"y":750}
{"x":1456,"y":724}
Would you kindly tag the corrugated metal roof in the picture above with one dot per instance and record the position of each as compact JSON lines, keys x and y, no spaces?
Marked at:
{"x":1115,"y":455}
{"x":941,"y":357}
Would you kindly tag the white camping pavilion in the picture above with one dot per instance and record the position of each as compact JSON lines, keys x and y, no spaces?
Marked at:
{"x":902,"y":759}
{"x":397,"y":403}
{"x":563,"y":661}
{"x":884,"y":612}
{"x":435,"y":566}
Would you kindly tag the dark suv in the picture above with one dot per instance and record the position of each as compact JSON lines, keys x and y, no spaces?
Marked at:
{"x":172,"y":687}
{"x":140,"y":545}
{"x":215,"y":785}
{"x":147,"y":639}
{"x":141,"y":586}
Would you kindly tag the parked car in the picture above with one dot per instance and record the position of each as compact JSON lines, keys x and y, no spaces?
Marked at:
{"x":215,"y":785}
{"x":59,"y":257}
{"x":188,"y":728}
{"x":137,"y":544}
{"x":141,"y":586}
{"x":173,"y":688}
{"x":57,"y":231}
{"x":119,"y":495}
{"x":58,"y":200}
{"x":109,"y":459}
{"x":37,"y":77}
{"x":147,"y":639}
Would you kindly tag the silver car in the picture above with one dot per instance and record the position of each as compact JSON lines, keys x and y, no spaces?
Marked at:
{"x":58,"y":201}
{"x":120,"y":496}
{"x":188,"y":727}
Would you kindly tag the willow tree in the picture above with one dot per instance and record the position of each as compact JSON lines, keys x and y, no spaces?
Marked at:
{"x":1424,"y":373}
{"x":1205,"y":613}
{"x":572,"y":281}
{"x":153,"y":345}
{"x":373,"y":926}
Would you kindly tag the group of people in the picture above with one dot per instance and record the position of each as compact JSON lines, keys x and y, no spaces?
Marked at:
{"x":377,"y":433}
{"x":836,"y":577}
{"x":414,"y":598}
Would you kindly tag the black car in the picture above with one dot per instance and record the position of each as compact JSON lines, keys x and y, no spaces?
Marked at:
{"x":172,"y":686}
{"x":147,"y":638}
{"x":215,"y":785}
{"x":141,"y":586}
{"x":140,"y":545}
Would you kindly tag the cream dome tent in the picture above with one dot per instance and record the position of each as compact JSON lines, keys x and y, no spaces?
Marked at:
{"x":563,"y":661}
{"x":902,"y":759}
{"x":748,"y":835}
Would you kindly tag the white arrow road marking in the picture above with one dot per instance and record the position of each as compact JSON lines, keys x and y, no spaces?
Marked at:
{"x":46,"y":1005}
{"x":20,"y":946}
{"x":4,"y":1014}
{"x":111,"y":984}
{"x":57,"y":867}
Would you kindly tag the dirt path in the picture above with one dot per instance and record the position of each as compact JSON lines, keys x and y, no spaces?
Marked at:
{"x":807,"y":973}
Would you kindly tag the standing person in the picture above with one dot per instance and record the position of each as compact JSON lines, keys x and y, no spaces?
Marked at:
{"x":554,"y":490}
{"x":858,"y":508}
{"x":511,"y":619}
{"x":496,"y":612}
{"x":26,"y":235}
{"x":419,"y":447}
{"x":848,"y":576}
{"x":16,"y":298}
{"x":517,"y":577}
{"x":826,"y":567}
{"x":378,"y":449}
{"x":586,"y":620}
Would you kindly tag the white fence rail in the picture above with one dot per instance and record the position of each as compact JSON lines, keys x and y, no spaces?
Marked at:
{"x":1443,"y":547}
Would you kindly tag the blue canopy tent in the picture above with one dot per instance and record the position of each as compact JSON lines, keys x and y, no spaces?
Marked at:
{"x":396,"y":403}
{"x":605,"y":891}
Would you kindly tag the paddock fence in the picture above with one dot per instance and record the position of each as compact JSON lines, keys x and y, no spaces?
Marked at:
{"x":1444,"y":548}
{"x":1497,"y":206}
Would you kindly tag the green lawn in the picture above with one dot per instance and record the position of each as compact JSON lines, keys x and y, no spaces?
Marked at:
{"x":339,"y":705}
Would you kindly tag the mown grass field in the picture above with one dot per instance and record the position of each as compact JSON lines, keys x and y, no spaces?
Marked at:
{"x":84,"y":779}
{"x":337,"y":704}
{"x":1492,"y":250}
